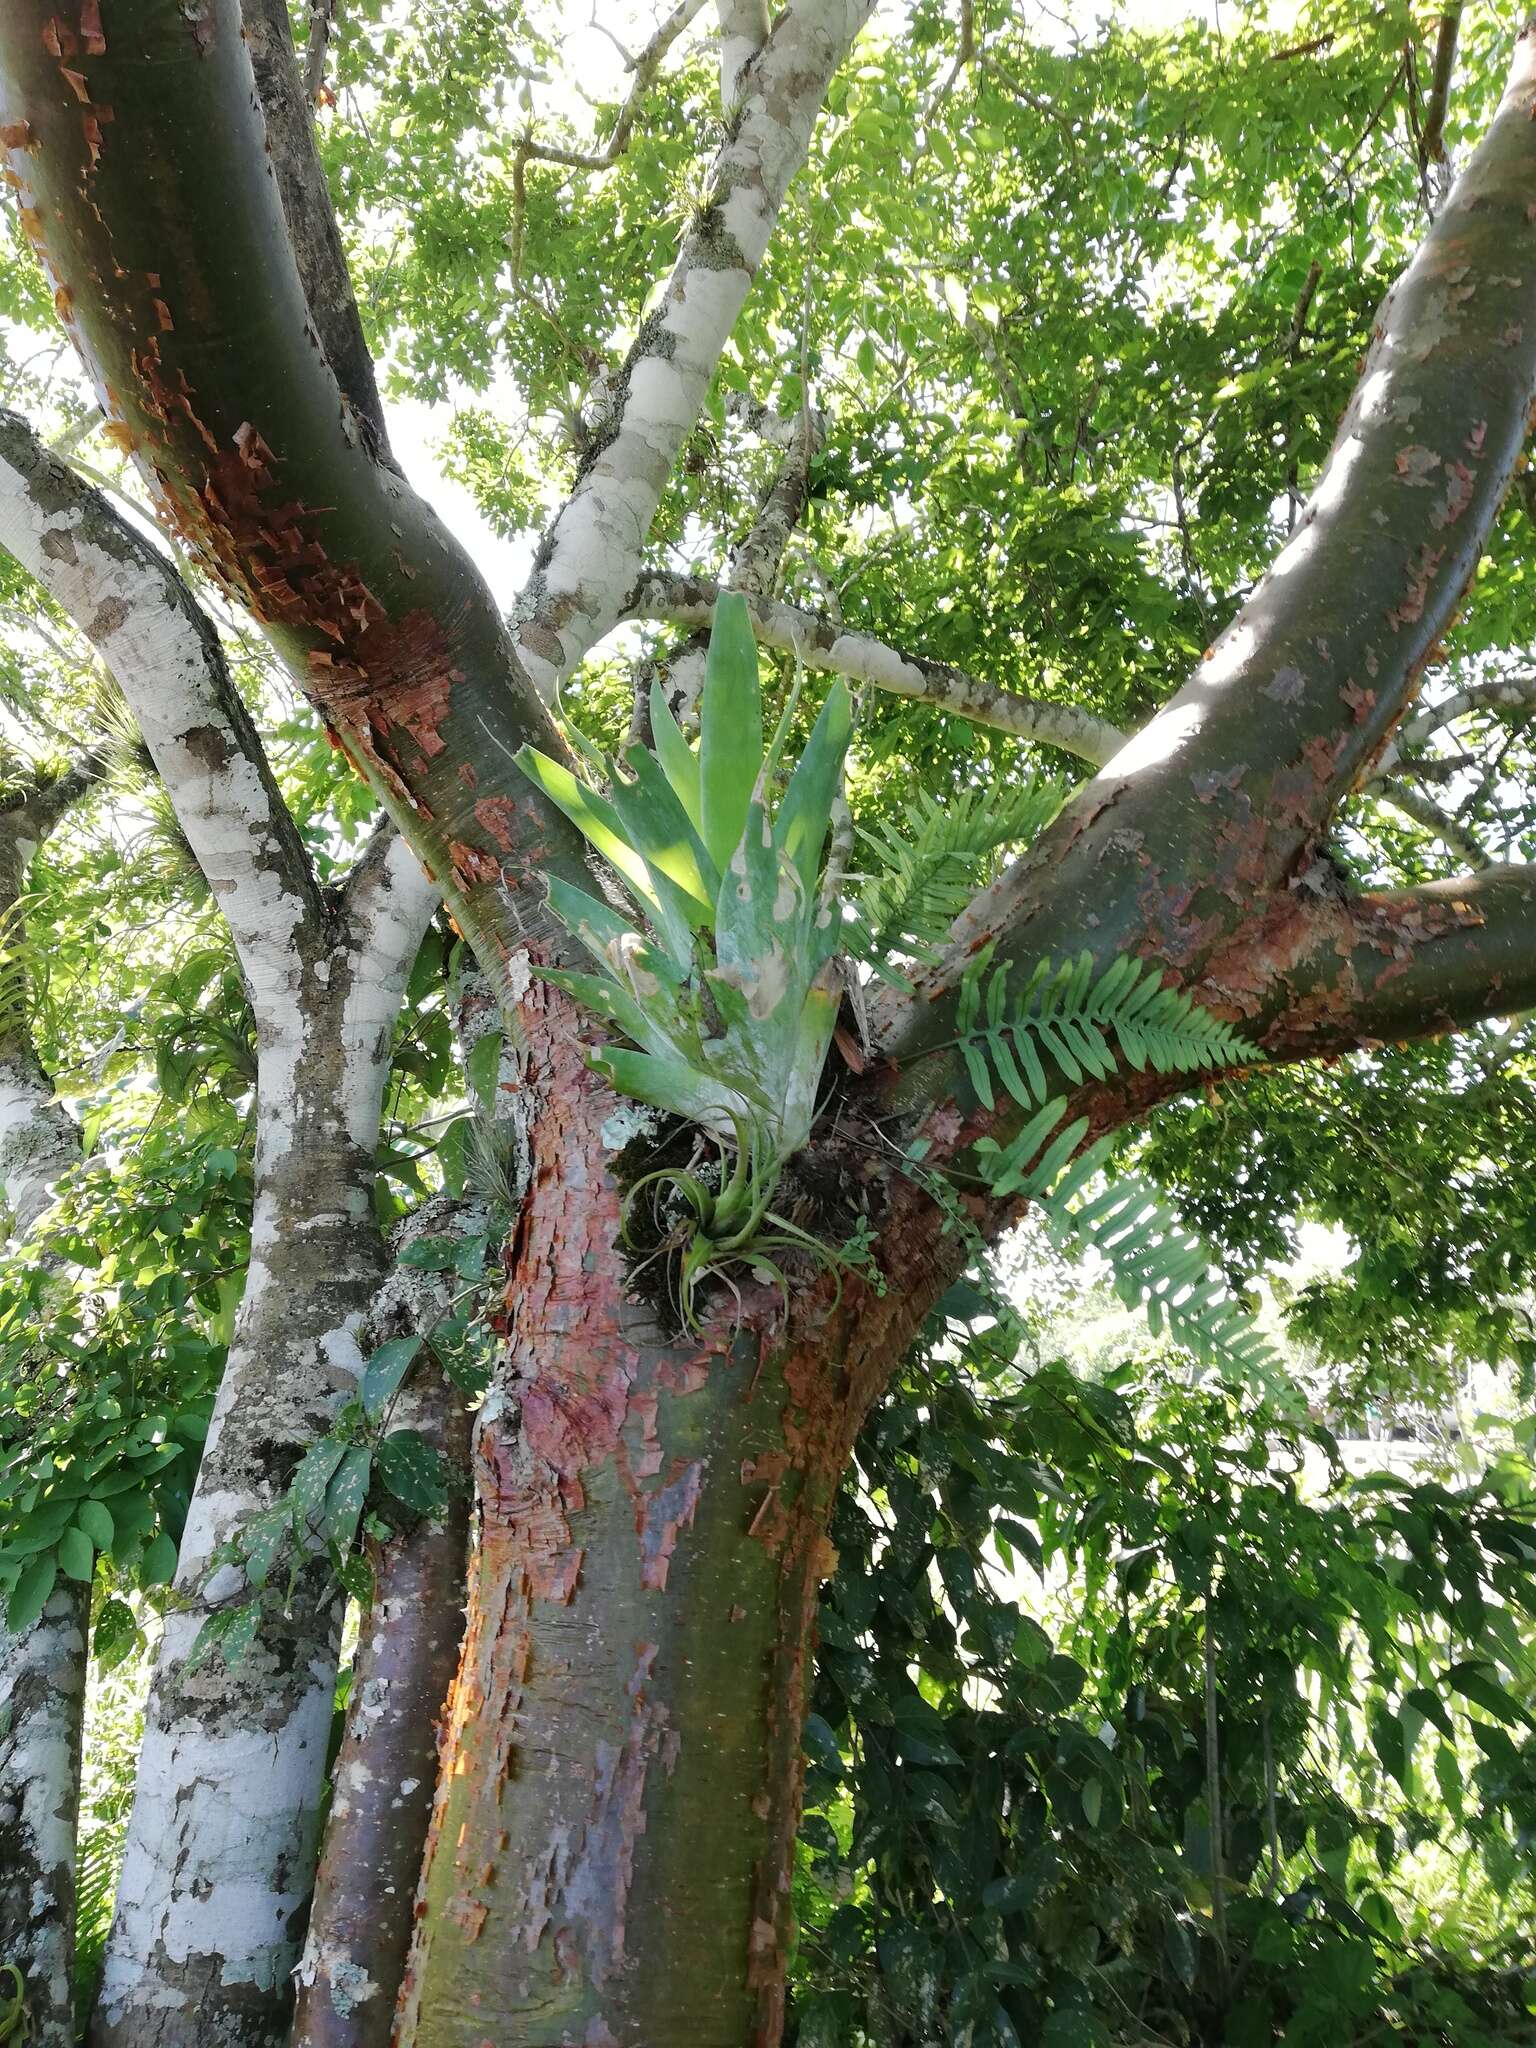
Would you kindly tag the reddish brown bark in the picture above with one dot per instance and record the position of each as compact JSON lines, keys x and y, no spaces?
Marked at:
{"x":611,"y":1849}
{"x":386,"y":1770}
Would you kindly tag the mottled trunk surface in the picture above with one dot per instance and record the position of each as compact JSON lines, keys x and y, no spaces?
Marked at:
{"x":219,"y":1866}
{"x":612,"y":1845}
{"x":42,"y":1711}
{"x":39,"y":1139}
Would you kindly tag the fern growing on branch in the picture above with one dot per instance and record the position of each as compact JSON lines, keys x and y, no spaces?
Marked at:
{"x":1162,"y":1268}
{"x":1078,"y":1023}
{"x":927,"y":869}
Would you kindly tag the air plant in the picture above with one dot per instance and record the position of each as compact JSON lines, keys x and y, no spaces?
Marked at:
{"x":727,"y":985}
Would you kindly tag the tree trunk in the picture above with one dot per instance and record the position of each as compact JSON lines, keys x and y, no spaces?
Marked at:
{"x":216,"y":1880}
{"x":42,"y":1669}
{"x":42,"y":1711}
{"x":221,"y":1848}
{"x":612,"y":1844}
{"x":407,"y":1653}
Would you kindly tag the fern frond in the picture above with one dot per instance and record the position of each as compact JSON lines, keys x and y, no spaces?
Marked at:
{"x":1159,"y":1265}
{"x":926,"y":869}
{"x":1079,"y":1024}
{"x":1163,"y":1268}
{"x":99,"y":1860}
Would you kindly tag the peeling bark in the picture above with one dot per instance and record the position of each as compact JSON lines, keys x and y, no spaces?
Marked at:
{"x":1323,"y":973}
{"x":1192,"y":829}
{"x":154,"y":223}
{"x":42,"y":1713}
{"x":610,"y":1853}
{"x":611,"y":1848}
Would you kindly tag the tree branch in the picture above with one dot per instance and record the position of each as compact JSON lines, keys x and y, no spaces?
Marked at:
{"x":286,"y":103}
{"x":322,"y":19}
{"x":643,"y":70}
{"x":1432,"y":139}
{"x":590,"y":554}
{"x":744,"y":28}
{"x":1423,"y":810}
{"x":822,"y":645}
{"x":387,"y":903}
{"x":1324,"y":973}
{"x":1510,"y":694}
{"x":165,"y":656}
{"x":1217,"y":803}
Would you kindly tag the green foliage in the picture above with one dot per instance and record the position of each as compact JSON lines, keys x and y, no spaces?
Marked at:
{"x":925,"y":869}
{"x":112,"y":1337}
{"x":366,"y":1478}
{"x":1068,"y":1026}
{"x":1007,"y":1835}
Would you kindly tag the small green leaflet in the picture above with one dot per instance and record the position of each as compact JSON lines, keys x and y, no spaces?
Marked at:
{"x":413,"y":1472}
{"x":384,"y":1372}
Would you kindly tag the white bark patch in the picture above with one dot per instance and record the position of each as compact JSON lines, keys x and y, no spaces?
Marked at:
{"x":388,"y":916}
{"x":593,"y":547}
{"x":38,"y":1142}
{"x":225,"y":1874}
{"x":42,"y":1691}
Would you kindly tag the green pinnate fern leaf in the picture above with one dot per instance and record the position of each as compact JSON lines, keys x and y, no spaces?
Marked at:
{"x":924,"y":870}
{"x":1083,"y":1028}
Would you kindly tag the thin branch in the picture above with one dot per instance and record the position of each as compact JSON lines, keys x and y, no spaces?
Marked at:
{"x":590,"y":554}
{"x":1423,"y":810}
{"x":965,"y":56}
{"x":643,"y":70}
{"x":322,"y":19}
{"x":860,"y":658}
{"x":1437,"y":99}
{"x":1509,"y":694}
{"x":286,"y":105}
{"x":1293,"y":343}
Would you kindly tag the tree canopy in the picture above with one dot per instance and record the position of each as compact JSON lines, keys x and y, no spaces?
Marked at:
{"x":976,"y":376}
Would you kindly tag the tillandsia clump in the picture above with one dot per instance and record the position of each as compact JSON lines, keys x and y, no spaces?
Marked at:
{"x":729,"y":984}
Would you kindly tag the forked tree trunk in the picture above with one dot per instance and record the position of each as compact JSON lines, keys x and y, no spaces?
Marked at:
{"x":612,"y":1845}
{"x":220,"y":1861}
